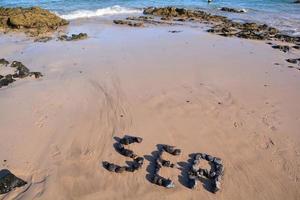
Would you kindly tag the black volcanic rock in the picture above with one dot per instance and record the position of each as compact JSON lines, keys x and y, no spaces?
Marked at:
{"x":9,"y":181}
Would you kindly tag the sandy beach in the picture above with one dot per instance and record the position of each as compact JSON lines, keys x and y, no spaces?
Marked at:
{"x":233,"y":98}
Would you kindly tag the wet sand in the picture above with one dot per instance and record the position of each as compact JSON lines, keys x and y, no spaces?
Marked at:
{"x":197,"y":91}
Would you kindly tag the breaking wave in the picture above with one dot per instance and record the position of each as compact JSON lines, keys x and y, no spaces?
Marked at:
{"x":113,"y":10}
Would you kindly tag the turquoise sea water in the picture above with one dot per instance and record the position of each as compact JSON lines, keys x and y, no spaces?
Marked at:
{"x":283,"y":14}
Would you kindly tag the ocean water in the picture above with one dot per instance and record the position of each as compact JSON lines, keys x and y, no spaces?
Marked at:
{"x":282,"y":14}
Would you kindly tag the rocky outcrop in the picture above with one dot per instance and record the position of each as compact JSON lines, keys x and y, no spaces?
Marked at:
{"x":9,"y":181}
{"x":222,"y":25}
{"x":73,"y":37}
{"x":32,"y":20}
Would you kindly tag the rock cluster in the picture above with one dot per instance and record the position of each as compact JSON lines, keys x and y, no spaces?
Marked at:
{"x":73,"y":37}
{"x":137,"y":162}
{"x":222,"y":25}
{"x":160,"y":162}
{"x":215,"y":174}
{"x":9,"y":181}
{"x":234,"y":10}
{"x":20,"y":71}
{"x":32,"y":20}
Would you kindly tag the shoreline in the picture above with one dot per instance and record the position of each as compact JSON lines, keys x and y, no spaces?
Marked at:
{"x":185,"y":89}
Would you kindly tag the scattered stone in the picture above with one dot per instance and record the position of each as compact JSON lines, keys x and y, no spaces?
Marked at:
{"x":296,"y":47}
{"x":3,"y":62}
{"x":167,"y":183}
{"x":234,"y":10}
{"x":175,"y":31}
{"x":73,"y":37}
{"x":130,"y":139}
{"x":21,"y":71}
{"x":293,"y":60}
{"x":9,"y":181}
{"x":43,"y":39}
{"x":129,"y":23}
{"x":283,"y":48}
{"x":33,"y":20}
{"x":36,"y":74}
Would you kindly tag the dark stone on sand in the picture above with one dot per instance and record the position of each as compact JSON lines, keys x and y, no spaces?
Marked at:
{"x":296,"y":47}
{"x":175,"y":31}
{"x":130,"y":139}
{"x":129,"y":23}
{"x":33,"y":20}
{"x":167,"y":183}
{"x":1,"y":76}
{"x":283,"y":48}
{"x":43,"y":39}
{"x":125,"y":152}
{"x":293,"y":60}
{"x":209,"y":158}
{"x":234,"y":10}
{"x":4,"y":62}
{"x":5,"y":81}
{"x":9,"y":181}
{"x":120,"y":169}
{"x":171,"y":150}
{"x":73,"y":37}
{"x":217,"y":161}
{"x":36,"y":74}
{"x":22,"y":70}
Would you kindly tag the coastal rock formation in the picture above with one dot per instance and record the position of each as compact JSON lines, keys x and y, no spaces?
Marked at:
{"x":173,"y":12}
{"x":73,"y":37}
{"x":222,"y":25}
{"x":234,"y":10}
{"x":32,"y":20}
{"x":9,"y":181}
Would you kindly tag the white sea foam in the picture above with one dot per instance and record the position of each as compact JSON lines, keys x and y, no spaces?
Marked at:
{"x":100,"y":12}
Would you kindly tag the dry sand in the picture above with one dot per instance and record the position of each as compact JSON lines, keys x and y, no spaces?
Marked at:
{"x":200,"y":92}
